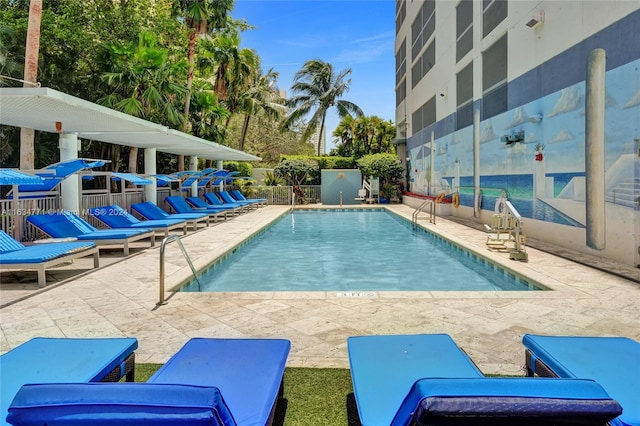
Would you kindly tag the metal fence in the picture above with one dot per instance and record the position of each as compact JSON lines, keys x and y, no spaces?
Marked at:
{"x":282,"y":195}
{"x":14,"y":214}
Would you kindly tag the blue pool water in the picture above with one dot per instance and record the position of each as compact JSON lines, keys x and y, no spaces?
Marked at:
{"x":352,"y":251}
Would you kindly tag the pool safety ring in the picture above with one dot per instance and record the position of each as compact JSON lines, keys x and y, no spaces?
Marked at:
{"x":440,"y":197}
{"x":455,"y":200}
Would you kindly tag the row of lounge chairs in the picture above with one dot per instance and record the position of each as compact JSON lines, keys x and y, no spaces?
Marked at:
{"x":412,"y":380}
{"x":83,"y":239}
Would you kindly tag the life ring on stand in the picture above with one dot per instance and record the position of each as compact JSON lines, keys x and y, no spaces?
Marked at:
{"x":455,"y":200}
{"x":499,"y":207}
{"x":440,"y":197}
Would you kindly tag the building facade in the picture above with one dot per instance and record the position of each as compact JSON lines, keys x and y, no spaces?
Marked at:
{"x":538,"y":101}
{"x":318,"y":139}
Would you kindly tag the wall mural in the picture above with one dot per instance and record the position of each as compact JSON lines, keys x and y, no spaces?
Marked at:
{"x":536,"y":155}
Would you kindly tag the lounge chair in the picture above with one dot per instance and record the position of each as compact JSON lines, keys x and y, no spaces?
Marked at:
{"x":180,"y":205}
{"x":199,"y":203}
{"x":51,"y":360}
{"x":39,"y":257}
{"x":209,"y":381}
{"x":150,"y":211}
{"x":65,"y":225}
{"x":613,"y":362}
{"x":429,"y":380}
{"x":117,"y":217}
{"x":227,"y":198}
{"x":213,"y":199}
{"x":240,"y":197}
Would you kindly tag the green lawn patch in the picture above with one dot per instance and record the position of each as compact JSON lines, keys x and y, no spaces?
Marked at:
{"x":312,"y":396}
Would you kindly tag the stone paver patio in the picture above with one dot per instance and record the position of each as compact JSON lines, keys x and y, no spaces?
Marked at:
{"x":120,"y":300}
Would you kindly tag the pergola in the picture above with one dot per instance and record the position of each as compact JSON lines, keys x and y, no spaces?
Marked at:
{"x":49,"y":110}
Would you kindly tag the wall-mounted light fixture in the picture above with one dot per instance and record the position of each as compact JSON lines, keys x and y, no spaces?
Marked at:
{"x":536,"y":20}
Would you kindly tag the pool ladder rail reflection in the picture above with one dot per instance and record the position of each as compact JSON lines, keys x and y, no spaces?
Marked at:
{"x":430,"y":203}
{"x":167,"y":240}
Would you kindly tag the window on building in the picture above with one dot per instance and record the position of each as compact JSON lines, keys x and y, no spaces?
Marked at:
{"x":401,"y":92}
{"x":493,"y":12}
{"x":423,"y":65}
{"x":464,"y":28}
{"x":423,"y":27}
{"x":494,"y":78}
{"x":401,"y":14}
{"x":401,"y":62}
{"x":464,"y":97}
{"x":424,"y":116}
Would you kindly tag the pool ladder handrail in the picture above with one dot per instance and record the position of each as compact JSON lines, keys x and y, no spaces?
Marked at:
{"x":186,"y":256}
{"x":432,"y":212}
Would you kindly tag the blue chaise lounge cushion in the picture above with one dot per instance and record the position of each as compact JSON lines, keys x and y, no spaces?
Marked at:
{"x":122,"y":404}
{"x":506,"y":401}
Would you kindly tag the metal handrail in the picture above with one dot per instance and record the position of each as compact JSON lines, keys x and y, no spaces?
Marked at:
{"x":186,"y":256}
{"x":432,"y":212}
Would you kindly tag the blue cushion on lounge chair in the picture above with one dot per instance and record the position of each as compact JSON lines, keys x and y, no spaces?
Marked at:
{"x":151,"y":211}
{"x":201,"y":204}
{"x":54,"y":360}
{"x":506,"y":401}
{"x":239,"y":196}
{"x":117,"y":217}
{"x":65,"y":224}
{"x":180,"y":205}
{"x":248,"y":372}
{"x":384,"y":367}
{"x":212,"y":198}
{"x":122,"y":404}
{"x":611,"y":361}
{"x":14,"y":252}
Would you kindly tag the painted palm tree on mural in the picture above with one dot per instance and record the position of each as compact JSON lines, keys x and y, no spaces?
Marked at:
{"x":317,"y":87}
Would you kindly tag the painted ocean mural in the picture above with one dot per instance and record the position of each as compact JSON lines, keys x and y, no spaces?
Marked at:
{"x":543,"y":173}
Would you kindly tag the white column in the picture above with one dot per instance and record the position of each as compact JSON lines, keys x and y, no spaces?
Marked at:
{"x":476,"y":162}
{"x":70,"y":187}
{"x":539,"y":178}
{"x":150,"y":191}
{"x":456,"y":178}
{"x":220,"y":166}
{"x":193,"y":166}
{"x":432,"y":166}
{"x":594,"y":149}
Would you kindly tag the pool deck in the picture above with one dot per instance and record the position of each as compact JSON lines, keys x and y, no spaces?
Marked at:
{"x":119,"y":299}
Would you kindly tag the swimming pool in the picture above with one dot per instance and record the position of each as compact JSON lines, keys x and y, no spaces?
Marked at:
{"x":352,"y":250}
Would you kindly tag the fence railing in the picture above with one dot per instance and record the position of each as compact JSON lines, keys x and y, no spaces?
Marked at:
{"x":13,"y":215}
{"x":282,"y":195}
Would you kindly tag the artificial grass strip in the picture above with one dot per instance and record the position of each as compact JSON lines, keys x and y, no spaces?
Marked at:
{"x":316,"y":396}
{"x":312,"y":396}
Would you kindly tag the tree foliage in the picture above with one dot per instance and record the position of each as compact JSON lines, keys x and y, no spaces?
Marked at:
{"x":364,"y":135}
{"x":384,"y":166}
{"x":295,"y":172}
{"x":101,"y":50}
{"x":318,"y":87}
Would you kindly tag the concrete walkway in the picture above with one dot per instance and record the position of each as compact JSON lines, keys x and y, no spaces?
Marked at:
{"x":120,"y":300}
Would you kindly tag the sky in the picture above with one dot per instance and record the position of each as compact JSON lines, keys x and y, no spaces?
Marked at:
{"x":356,"y":34}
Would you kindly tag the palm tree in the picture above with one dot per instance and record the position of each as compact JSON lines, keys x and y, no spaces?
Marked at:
{"x":318,"y":86}
{"x":27,"y":157}
{"x":143,"y":83}
{"x":262,"y":96}
{"x":199,"y":17}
